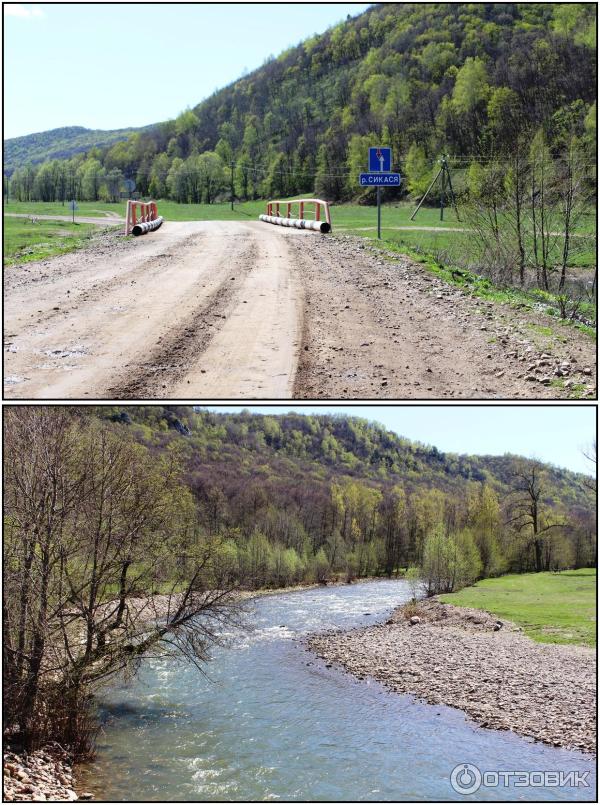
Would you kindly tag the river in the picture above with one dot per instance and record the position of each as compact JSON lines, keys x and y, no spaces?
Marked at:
{"x":271,"y":722}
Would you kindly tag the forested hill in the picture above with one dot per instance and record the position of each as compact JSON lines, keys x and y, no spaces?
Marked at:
{"x":289,"y":477}
{"x":424,"y":78}
{"x":58,"y":144}
{"x":325,"y":446}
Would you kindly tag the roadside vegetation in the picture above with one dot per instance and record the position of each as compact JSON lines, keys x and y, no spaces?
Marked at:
{"x":550,"y":607}
{"x":581,"y":314}
{"x":26,"y":240}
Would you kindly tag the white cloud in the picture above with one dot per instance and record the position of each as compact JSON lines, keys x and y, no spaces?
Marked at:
{"x":19,"y":10}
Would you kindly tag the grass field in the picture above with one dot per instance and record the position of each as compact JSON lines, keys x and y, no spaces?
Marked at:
{"x":24,"y":241}
{"x":346,"y":217}
{"x":551,"y":607}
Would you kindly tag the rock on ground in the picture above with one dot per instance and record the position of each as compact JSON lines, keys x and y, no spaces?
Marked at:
{"x":470,"y":660}
{"x":42,"y":776}
{"x":379,"y":325}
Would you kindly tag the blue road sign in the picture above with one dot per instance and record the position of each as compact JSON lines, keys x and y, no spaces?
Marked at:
{"x":73,"y":205}
{"x":380,"y":179}
{"x":380,"y":160}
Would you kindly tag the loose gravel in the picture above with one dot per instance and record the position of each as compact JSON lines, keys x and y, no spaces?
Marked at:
{"x":467,"y":659}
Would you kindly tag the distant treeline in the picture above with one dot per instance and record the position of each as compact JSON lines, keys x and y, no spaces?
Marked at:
{"x":467,"y":79}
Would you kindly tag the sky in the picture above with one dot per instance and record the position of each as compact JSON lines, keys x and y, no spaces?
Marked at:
{"x":553,"y":434}
{"x":117,"y":65}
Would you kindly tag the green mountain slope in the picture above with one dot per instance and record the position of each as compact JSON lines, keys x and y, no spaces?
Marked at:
{"x":58,"y":144}
{"x":463,"y":78}
{"x":345,"y":485}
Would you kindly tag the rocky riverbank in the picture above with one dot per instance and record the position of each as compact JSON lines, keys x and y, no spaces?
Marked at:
{"x":42,"y":776}
{"x":468,"y":659}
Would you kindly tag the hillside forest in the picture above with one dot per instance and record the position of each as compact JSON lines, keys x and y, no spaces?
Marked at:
{"x":128,"y":532}
{"x":507,"y":90}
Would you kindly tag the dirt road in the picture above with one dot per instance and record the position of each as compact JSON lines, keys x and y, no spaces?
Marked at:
{"x":224,"y":310}
{"x":195,"y":309}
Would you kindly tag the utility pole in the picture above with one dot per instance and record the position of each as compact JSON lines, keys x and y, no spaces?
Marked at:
{"x":231,"y":165}
{"x":444,"y":172}
{"x":443,"y":191}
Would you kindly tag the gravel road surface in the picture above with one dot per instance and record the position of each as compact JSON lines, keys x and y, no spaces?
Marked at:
{"x":245,"y":310}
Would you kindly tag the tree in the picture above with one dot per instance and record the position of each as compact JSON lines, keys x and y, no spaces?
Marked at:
{"x":471,"y":87}
{"x":526,"y":511}
{"x":505,"y":118}
{"x":210,"y":174}
{"x":92,"y":175}
{"x":484,"y":521}
{"x":515,"y":184}
{"x":393,"y":519}
{"x":158,"y":176}
{"x":488,"y":190}
{"x":328,"y":184}
{"x":542,"y":177}
{"x":573,"y":200}
{"x":176,"y":181}
{"x":418,"y":172}
{"x":93,"y":523}
{"x":114,"y":180}
{"x":449,"y":561}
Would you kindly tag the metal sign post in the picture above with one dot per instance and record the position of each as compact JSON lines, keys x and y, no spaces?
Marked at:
{"x":73,"y":207}
{"x":380,"y":175}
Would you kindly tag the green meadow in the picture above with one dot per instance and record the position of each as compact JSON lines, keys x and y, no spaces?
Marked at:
{"x":25,"y":241}
{"x":550,"y":607}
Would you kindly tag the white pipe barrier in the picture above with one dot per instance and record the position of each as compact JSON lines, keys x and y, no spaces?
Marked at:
{"x":297,"y":223}
{"x":321,"y":208}
{"x":147,"y":226}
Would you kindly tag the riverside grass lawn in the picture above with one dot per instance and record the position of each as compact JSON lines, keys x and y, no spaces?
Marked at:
{"x":427,"y":233}
{"x":551,"y":607}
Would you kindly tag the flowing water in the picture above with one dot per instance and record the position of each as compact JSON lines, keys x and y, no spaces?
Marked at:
{"x":273,"y":723}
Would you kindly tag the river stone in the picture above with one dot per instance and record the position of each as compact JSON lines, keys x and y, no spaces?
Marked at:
{"x":505,"y":682}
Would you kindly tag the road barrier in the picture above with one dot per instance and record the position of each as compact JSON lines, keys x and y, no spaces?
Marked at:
{"x":274,"y":215}
{"x":147,"y":213}
{"x":141,"y":229}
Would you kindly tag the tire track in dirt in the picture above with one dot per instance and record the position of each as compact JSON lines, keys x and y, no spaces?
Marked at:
{"x":187,"y":340}
{"x":254,"y":355}
{"x":147,"y":268}
{"x":122,"y":300}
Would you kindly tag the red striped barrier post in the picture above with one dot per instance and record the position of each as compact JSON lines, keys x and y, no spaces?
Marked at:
{"x":141,"y":217}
